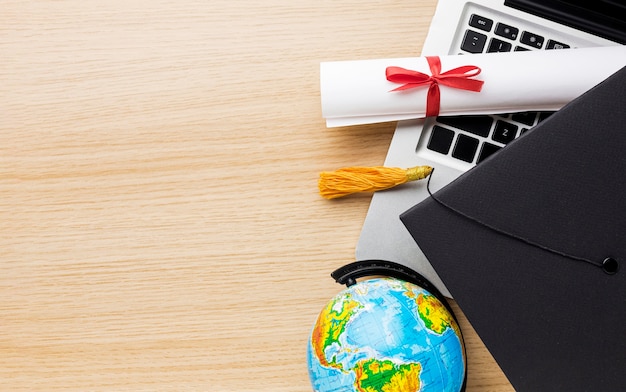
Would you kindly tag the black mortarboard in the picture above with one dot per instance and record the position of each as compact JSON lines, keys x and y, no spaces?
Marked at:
{"x":531,"y":244}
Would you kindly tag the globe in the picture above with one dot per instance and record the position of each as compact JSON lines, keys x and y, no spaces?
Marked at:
{"x":386,"y":335}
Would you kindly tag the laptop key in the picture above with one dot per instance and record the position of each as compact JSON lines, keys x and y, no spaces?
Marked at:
{"x":487,"y":150}
{"x":473,"y":42}
{"x":532,"y":40}
{"x":465,"y":148}
{"x":478,"y":125}
{"x":504,"y":132}
{"x":544,"y":115}
{"x":552,"y":44}
{"x":496,"y":45}
{"x":440,"y":139}
{"x":527,"y":118}
{"x":506,"y":31}
{"x":480,"y":22}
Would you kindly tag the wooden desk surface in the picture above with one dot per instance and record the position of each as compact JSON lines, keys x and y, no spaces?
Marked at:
{"x":160,"y":227}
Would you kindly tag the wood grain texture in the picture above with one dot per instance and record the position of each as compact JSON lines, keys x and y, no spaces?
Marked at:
{"x":160,"y":227}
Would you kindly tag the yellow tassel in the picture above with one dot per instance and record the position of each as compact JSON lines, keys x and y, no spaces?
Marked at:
{"x":350,"y":180}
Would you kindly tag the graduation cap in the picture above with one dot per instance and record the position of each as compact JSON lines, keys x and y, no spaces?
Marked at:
{"x":531,"y":244}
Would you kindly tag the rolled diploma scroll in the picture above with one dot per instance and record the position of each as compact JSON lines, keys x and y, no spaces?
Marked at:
{"x":357,"y":92}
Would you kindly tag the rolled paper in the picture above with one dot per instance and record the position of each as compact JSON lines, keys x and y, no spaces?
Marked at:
{"x":362,"y":91}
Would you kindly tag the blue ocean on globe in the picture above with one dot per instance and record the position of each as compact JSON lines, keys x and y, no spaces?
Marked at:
{"x":386,"y":335}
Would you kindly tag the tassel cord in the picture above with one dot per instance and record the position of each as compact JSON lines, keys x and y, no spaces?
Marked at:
{"x":525,"y":240}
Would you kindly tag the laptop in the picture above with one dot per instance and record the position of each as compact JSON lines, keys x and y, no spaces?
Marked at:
{"x":454,"y":145}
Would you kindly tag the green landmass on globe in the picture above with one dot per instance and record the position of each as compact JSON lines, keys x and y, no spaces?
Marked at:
{"x":386,"y":335}
{"x":372,"y":373}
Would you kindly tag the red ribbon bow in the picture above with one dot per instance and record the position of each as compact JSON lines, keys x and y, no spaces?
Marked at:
{"x":457,"y":78}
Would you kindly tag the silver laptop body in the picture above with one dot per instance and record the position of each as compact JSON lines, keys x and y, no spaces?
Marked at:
{"x":453,"y":145}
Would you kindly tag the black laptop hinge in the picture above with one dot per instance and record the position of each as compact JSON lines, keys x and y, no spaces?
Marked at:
{"x":601,"y":18}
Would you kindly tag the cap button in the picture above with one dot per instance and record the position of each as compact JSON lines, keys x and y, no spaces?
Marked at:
{"x":610,"y":266}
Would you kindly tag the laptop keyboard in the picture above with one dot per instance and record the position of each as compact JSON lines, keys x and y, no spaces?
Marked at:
{"x":472,"y":138}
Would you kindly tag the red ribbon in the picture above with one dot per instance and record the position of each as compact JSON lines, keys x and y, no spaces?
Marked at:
{"x":456,"y":78}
